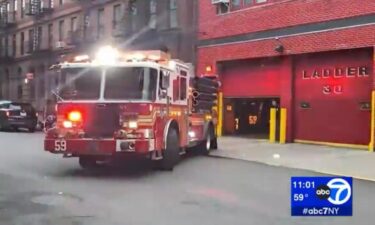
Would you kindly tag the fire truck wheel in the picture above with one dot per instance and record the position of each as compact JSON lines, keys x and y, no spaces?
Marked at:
{"x":214,"y":144}
{"x":208,"y":143}
{"x":171,"y":155}
{"x":87,"y":162}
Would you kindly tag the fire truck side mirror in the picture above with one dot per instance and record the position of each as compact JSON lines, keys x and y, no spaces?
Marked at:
{"x":163,"y":94}
{"x":164,"y":80}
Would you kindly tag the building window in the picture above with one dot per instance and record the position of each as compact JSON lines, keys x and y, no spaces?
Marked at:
{"x":251,"y":2}
{"x":86,"y":24}
{"x":173,"y":20}
{"x":222,"y":8}
{"x":19,"y":91}
{"x":73,"y":24}
{"x":133,"y":13}
{"x":50,"y":35}
{"x":6,"y":44}
{"x":41,"y":86}
{"x":14,"y":45}
{"x":100,"y":23}
{"x":32,"y":85}
{"x":153,"y":14}
{"x":61,"y":2}
{"x":22,"y":44}
{"x":39,"y":37}
{"x":116,"y":16}
{"x":61,"y":30}
{"x":10,"y":13}
{"x":15,"y":6}
{"x":7,"y":83}
{"x":31,"y":41}
{"x":236,"y":3}
{"x":19,"y":87}
{"x":23,"y":5}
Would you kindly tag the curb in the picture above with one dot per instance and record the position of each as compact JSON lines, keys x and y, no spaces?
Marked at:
{"x":306,"y":169}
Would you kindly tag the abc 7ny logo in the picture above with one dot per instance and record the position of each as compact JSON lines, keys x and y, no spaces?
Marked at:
{"x":337,"y":191}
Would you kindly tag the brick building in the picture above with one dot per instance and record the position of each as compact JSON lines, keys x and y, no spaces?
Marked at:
{"x":313,"y":57}
{"x":34,"y":34}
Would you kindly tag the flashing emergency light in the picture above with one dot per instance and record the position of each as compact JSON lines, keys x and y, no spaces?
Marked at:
{"x":208,"y":69}
{"x":75,"y":116}
{"x":153,"y":55}
{"x":67,"y":124}
{"x":107,"y":55}
{"x":81,"y":58}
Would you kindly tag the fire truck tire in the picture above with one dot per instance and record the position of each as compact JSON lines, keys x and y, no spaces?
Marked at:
{"x":214,"y":144}
{"x":171,"y":154}
{"x":209,"y":142}
{"x":87,"y":162}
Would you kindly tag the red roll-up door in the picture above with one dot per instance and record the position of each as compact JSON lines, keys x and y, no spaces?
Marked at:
{"x":332,"y":96}
{"x":256,"y":78}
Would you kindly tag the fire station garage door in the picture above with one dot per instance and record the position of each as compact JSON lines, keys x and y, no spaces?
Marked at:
{"x":256,"y":78}
{"x":249,"y":87}
{"x":332,"y":97}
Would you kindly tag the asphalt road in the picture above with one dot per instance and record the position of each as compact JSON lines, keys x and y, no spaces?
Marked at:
{"x":37,"y":188}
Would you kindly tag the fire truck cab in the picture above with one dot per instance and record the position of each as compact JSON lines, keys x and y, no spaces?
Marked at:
{"x":128,"y":103}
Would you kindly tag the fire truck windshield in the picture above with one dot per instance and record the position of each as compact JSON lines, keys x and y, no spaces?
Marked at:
{"x":81,"y":84}
{"x":130,"y":83}
{"x":121,"y":83}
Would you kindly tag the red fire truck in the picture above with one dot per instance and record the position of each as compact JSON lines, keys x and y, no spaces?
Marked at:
{"x":136,"y":103}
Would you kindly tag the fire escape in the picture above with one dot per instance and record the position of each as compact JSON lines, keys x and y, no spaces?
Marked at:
{"x":38,"y":42}
{"x":7,"y":22}
{"x":82,"y":34}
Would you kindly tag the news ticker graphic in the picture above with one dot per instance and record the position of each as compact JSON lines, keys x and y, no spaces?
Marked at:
{"x":321,"y":196}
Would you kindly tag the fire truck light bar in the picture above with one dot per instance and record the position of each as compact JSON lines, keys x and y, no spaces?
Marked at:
{"x":81,"y":58}
{"x":107,"y":55}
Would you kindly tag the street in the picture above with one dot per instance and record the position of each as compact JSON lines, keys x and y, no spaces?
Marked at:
{"x":38,"y":188}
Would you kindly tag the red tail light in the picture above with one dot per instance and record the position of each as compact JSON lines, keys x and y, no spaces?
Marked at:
{"x":75,"y":116}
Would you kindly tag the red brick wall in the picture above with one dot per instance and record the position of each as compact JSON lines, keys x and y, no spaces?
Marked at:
{"x":315,"y":42}
{"x":280,"y":14}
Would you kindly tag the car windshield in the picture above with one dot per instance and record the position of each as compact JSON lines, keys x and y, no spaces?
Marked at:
{"x":81,"y":83}
{"x":131,"y":83}
{"x":17,"y":106}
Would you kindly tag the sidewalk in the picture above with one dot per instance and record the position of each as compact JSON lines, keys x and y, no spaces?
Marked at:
{"x":359,"y":164}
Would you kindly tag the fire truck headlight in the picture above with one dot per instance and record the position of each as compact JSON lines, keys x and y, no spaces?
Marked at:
{"x":133,"y":124}
{"x":67,"y":124}
{"x":107,"y":55}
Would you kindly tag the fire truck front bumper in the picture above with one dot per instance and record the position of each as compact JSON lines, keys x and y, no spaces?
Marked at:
{"x":107,"y":147}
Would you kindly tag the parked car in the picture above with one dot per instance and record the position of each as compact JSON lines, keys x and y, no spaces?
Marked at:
{"x":14,"y":115}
